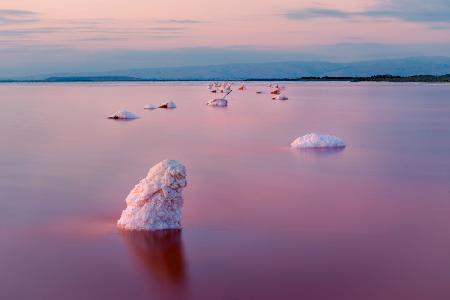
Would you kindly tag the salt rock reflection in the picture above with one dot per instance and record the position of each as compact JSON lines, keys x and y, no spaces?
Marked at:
{"x":160,"y":252}
{"x":320,"y":151}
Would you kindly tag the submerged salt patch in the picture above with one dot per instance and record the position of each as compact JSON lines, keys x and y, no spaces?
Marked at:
{"x":219,"y":102}
{"x":168,"y":104}
{"x":314,"y":140}
{"x":280,"y":97}
{"x":123,"y":115}
{"x":149,"y":106}
{"x":155,"y":202}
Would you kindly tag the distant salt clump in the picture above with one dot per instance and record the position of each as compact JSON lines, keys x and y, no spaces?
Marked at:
{"x":314,"y":140}
{"x":168,"y":104}
{"x":242,"y":87}
{"x":149,"y":106}
{"x":225,"y":87}
{"x":155,"y":202}
{"x":280,"y":97}
{"x":220,"y":102}
{"x":212,"y":87}
{"x":275,"y":91}
{"x":123,"y":115}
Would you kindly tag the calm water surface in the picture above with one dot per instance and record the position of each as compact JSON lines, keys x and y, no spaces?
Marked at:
{"x":261,"y":220}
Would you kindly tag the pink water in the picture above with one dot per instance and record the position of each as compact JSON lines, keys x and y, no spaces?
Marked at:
{"x":261,"y":220}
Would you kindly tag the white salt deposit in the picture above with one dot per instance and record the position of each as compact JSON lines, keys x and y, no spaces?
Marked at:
{"x":155,"y":202}
{"x":220,"y":102}
{"x":314,"y":140}
{"x":149,"y":106}
{"x":168,"y":104}
{"x":280,"y":97}
{"x":123,"y":115}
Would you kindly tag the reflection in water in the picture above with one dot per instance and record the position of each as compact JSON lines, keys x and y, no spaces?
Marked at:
{"x":311,"y":217}
{"x":320,"y":151}
{"x":160,"y":253}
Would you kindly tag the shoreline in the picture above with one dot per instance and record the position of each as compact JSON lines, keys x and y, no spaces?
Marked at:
{"x":375,"y":78}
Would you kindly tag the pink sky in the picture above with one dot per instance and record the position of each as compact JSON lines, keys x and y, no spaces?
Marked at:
{"x":44,"y":36}
{"x":144,"y":24}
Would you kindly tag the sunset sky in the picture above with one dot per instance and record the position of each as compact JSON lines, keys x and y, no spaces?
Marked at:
{"x":51,"y":36}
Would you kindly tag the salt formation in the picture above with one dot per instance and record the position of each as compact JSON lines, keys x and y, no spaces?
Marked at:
{"x":149,"y":106}
{"x":220,"y":102}
{"x":276,"y":91}
{"x":242,"y":87}
{"x":280,"y":97}
{"x":225,"y":87}
{"x":169,"y":104}
{"x":155,"y":202}
{"x":314,"y":140}
{"x":212,"y":87}
{"x":123,"y":115}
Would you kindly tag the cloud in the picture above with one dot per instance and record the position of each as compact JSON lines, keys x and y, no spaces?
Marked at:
{"x":432,"y":11}
{"x":181,"y":21}
{"x":314,"y":13}
{"x":15,"y":16}
{"x":168,"y":29}
{"x":93,"y":30}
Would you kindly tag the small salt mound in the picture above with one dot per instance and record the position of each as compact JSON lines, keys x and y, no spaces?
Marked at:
{"x":155,"y":202}
{"x":149,"y":106}
{"x":314,"y":140}
{"x":123,"y":115}
{"x":242,"y":87}
{"x":275,"y":91}
{"x":220,"y":102}
{"x":168,"y":104}
{"x":280,"y":97}
{"x":259,"y":92}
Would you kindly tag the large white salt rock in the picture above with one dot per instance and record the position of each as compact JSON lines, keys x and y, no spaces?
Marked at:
{"x":123,"y":115}
{"x":280,"y":97}
{"x":149,"y":106}
{"x":220,"y":102}
{"x":314,"y":140}
{"x":168,"y":104}
{"x":155,"y":202}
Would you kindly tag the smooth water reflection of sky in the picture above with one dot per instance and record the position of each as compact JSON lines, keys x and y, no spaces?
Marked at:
{"x":260,"y":220}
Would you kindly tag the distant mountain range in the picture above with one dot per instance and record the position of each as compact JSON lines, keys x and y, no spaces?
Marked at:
{"x":274,"y":70}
